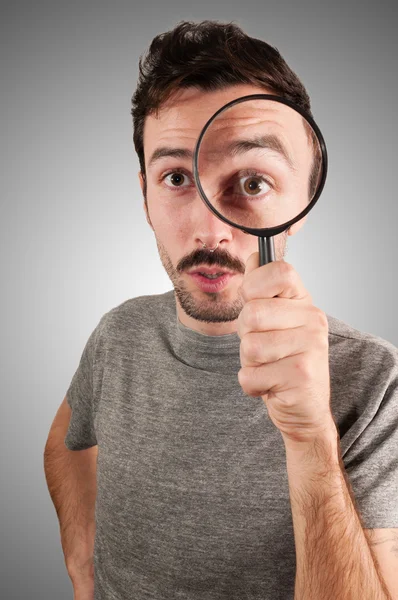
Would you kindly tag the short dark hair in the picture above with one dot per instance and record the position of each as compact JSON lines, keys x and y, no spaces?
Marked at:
{"x":209,"y":56}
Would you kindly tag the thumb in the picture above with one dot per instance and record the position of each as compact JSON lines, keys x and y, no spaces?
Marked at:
{"x":253,"y":262}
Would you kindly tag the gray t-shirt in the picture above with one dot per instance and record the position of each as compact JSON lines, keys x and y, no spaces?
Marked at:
{"x":193,"y":497}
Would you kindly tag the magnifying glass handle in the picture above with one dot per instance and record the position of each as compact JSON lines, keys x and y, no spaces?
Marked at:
{"x":266,"y":250}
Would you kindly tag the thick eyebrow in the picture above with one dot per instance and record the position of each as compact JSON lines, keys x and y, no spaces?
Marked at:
{"x":269,"y":142}
{"x":166,"y":151}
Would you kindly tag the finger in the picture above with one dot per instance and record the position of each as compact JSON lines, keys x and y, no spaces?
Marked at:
{"x":276,"y":313}
{"x":270,"y":346}
{"x":277,"y":278}
{"x":286,"y":374}
{"x":253,"y":262}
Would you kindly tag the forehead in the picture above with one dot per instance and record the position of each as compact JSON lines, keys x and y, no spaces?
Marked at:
{"x":181,"y":119}
{"x":179,"y":122}
{"x":255,"y":119}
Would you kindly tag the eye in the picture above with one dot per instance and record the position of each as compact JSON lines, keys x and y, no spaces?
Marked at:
{"x":253,"y":185}
{"x":176,"y":179}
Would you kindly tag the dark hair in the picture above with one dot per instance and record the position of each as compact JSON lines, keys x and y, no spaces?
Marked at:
{"x":210,"y":56}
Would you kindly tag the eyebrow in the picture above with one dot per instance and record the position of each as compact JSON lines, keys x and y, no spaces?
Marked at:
{"x":167,"y":152}
{"x":268,"y":142}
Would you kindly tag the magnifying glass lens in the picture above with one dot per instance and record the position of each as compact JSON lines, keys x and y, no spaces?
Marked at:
{"x":259,"y":163}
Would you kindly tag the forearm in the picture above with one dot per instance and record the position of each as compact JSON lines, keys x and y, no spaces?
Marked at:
{"x":71,"y":480}
{"x":332,"y":554}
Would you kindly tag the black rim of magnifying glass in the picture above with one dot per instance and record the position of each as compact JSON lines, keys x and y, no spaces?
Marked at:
{"x":266,"y":232}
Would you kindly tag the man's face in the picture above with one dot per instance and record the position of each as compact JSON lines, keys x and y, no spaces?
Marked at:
{"x":181,"y":221}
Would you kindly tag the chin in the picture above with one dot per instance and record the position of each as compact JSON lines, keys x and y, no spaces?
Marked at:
{"x":210,"y":307}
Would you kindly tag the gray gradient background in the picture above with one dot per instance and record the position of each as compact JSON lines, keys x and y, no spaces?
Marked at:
{"x":74,"y":239}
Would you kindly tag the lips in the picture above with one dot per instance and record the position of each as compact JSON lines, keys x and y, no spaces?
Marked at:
{"x":212,"y":285}
{"x":209,"y":271}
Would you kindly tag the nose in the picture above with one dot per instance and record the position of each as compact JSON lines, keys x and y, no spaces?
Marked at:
{"x":208,"y":228}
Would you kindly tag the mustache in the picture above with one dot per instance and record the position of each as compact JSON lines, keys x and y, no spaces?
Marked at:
{"x":219,"y":258}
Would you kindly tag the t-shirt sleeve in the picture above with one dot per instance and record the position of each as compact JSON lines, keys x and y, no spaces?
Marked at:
{"x":81,"y":398}
{"x":371,"y":459}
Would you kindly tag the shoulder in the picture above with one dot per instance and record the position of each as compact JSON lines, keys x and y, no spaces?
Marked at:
{"x":142,"y":313}
{"x":362,"y":347}
{"x":363,"y":366}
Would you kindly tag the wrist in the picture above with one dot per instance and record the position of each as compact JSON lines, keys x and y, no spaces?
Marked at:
{"x":322,"y":448}
{"x":80,"y":569}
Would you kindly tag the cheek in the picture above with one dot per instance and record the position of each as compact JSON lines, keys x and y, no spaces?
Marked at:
{"x":172,"y":218}
{"x":247,"y":243}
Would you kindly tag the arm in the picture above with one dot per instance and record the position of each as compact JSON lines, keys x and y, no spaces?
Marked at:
{"x":71,"y":480}
{"x":334,"y":559}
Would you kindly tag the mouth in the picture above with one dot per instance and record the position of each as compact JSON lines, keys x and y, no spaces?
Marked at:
{"x":210,"y":272}
{"x":211,"y":279}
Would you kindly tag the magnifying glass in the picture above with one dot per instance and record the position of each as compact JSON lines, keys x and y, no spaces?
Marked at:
{"x":260,"y":165}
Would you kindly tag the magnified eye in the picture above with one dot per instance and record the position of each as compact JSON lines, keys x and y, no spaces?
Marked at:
{"x":177,"y":179}
{"x":253,"y":185}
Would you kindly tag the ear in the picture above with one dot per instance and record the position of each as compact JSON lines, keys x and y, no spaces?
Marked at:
{"x":297,"y":226}
{"x":147,"y":215}
{"x":141,"y":178}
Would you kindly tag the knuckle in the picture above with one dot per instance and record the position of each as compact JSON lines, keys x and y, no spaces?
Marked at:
{"x":257,"y":316}
{"x":289,"y":275}
{"x":319,"y":328}
{"x":321,"y":318}
{"x":252,"y":348}
{"x":243,"y":292}
{"x":303,"y":368}
{"x":275,"y":347}
{"x":246,"y":381}
{"x":322,"y":341}
{"x":289,"y":402}
{"x":287,"y":270}
{"x":252,"y":315}
{"x":286,"y":267}
{"x":240,"y":324}
{"x":245,"y":348}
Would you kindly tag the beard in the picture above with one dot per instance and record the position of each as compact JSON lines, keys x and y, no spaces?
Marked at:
{"x":213,"y":308}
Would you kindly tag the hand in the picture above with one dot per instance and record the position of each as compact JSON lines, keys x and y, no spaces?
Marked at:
{"x":284,"y":350}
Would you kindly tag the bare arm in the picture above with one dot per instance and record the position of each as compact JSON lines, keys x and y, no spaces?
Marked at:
{"x":71,"y":481}
{"x":334,"y":559}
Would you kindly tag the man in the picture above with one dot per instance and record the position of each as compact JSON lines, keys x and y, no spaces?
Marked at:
{"x":236,"y":443}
